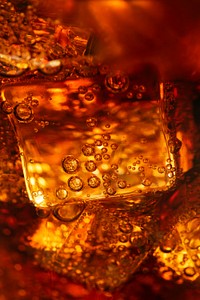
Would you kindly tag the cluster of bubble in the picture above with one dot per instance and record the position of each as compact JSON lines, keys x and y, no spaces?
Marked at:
{"x":71,"y":165}
{"x":28,"y":42}
{"x":96,"y":154}
{"x":107,"y":243}
{"x":119,"y":82}
{"x":23,"y":112}
{"x":110,"y":180}
{"x":12,"y":182}
{"x":179,"y":252}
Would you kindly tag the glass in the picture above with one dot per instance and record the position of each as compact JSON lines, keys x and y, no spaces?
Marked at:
{"x":108,"y":140}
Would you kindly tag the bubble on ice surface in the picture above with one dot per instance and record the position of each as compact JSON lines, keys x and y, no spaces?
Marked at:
{"x":98,"y":143}
{"x":106,"y":137}
{"x":174,"y":145}
{"x":90,"y":166}
{"x":34,"y":102}
{"x":146,"y":182}
{"x":189,"y":271}
{"x":94,"y":181}
{"x":161,"y":170}
{"x":6,"y":107}
{"x":117,"y":82}
{"x":91,"y":122}
{"x":43,"y":212}
{"x":61,"y":193}
{"x":89,"y":96}
{"x":88,"y":150}
{"x":23,"y":112}
{"x":114,"y":146}
{"x":69,"y":211}
{"x":125,"y":227}
{"x":122,"y":184}
{"x":98,"y":157}
{"x":82,"y":89}
{"x":110,"y":190}
{"x":70,"y":164}
{"x":139,"y":96}
{"x":106,"y":156}
{"x":75,"y":183}
{"x":104,"y":150}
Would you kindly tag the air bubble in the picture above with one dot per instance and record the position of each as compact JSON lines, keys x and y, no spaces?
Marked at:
{"x":170,"y":174}
{"x":91,"y":122}
{"x":168,"y":166}
{"x":161,"y":170}
{"x":117,"y":82}
{"x":141,"y":169}
{"x":146,"y":182}
{"x":106,"y":156}
{"x":143,"y":141}
{"x":70,"y":164}
{"x":90,"y":166}
{"x":6,"y":107}
{"x":98,"y":157}
{"x":174,"y":145}
{"x":61,"y":193}
{"x":123,"y":238}
{"x":98,"y":143}
{"x":145,"y":160}
{"x":82,"y":89}
{"x":34,"y":102}
{"x":106,"y":137}
{"x":122,"y":184}
{"x":137,"y":239}
{"x":139,"y":96}
{"x":106,"y":177}
{"x":23,"y":112}
{"x":94,"y":181}
{"x":43,"y":212}
{"x":89,"y":96}
{"x":96,"y":87}
{"x":69,"y":211}
{"x":114,"y":166}
{"x":121,"y":248}
{"x":126,"y":227}
{"x":75,"y":183}
{"x":129,"y":95}
{"x":168,"y":245}
{"x":114,"y":146}
{"x":142,"y":88}
{"x":88,"y":150}
{"x":110,"y":190}
{"x":104,"y":150}
{"x":189,"y":271}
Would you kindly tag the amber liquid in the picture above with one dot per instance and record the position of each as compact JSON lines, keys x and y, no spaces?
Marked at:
{"x":101,"y":152}
{"x":97,"y":155}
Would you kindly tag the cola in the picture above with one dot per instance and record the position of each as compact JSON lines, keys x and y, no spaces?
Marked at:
{"x":104,"y":152}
